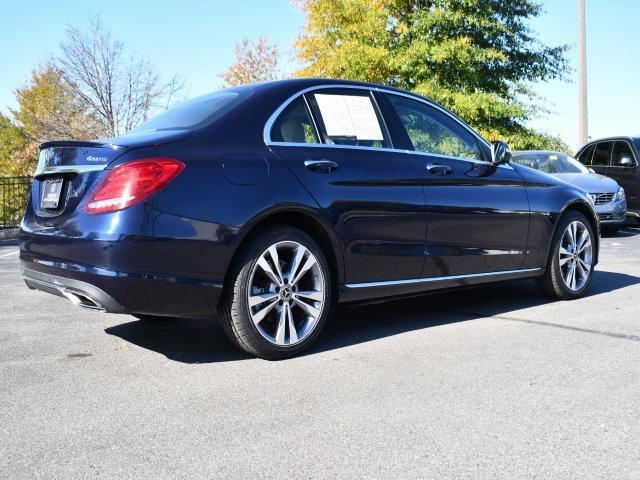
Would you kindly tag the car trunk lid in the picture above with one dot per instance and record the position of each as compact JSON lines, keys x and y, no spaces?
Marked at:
{"x":67,"y":169}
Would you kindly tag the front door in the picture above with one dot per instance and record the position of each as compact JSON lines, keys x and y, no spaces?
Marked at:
{"x":477,"y":214}
{"x":372,"y":196}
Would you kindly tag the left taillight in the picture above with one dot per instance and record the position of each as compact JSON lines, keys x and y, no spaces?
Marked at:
{"x":131,"y":183}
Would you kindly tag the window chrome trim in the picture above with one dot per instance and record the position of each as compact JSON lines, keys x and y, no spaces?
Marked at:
{"x":266,"y":132}
{"x":438,"y":279}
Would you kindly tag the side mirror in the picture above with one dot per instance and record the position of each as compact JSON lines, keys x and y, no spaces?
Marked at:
{"x":626,"y":162}
{"x":500,"y":153}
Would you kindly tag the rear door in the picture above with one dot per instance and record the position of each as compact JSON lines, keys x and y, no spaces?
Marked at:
{"x":477,"y":214}
{"x":344,"y":156}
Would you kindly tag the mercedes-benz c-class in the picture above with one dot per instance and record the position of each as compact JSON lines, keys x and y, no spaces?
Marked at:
{"x":269,"y":203}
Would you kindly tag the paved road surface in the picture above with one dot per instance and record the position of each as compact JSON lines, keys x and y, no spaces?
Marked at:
{"x":490,"y":383}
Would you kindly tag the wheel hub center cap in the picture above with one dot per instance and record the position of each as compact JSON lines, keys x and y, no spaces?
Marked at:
{"x":285,"y":293}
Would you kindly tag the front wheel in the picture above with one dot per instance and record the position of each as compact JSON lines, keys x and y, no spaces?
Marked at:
{"x":279,"y":294}
{"x":570,"y":266}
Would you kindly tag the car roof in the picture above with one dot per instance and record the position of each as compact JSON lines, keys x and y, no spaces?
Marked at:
{"x":298,"y":83}
{"x":633,"y":138}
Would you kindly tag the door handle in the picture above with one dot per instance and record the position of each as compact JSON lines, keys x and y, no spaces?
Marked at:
{"x":321,"y":166}
{"x":438,"y":169}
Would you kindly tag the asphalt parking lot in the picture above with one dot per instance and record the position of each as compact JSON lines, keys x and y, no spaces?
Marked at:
{"x":494,"y":382}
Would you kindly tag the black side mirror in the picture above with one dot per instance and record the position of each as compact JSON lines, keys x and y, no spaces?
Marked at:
{"x":626,"y":162}
{"x":500,"y":153}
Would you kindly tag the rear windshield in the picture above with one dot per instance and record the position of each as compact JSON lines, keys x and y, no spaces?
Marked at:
{"x":196,"y":112}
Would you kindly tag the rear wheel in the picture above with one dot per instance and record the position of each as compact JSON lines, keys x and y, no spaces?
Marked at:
{"x":570,"y":266}
{"x":279,"y":294}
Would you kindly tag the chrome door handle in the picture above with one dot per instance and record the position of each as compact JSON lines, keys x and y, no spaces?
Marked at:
{"x":321,"y":166}
{"x":438,"y":169}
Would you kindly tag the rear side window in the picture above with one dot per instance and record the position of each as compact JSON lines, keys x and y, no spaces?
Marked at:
{"x":602,"y":154}
{"x":294,"y":124}
{"x":349,"y":117}
{"x":432,"y":131}
{"x":196,"y":112}
{"x":585,"y":155}
{"x":621,"y":150}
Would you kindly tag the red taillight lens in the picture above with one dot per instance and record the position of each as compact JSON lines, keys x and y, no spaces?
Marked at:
{"x":132,"y":182}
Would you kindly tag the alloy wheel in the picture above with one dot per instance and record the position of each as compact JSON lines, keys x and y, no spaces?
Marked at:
{"x":575,"y":255}
{"x":286,"y":293}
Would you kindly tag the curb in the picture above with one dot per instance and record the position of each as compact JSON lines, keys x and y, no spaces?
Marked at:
{"x":9,"y":234}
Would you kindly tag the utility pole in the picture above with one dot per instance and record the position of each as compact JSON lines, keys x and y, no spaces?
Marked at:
{"x":583,"y":115}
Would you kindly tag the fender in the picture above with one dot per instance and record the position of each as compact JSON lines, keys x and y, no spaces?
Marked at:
{"x":299,"y":211}
{"x":582,"y":207}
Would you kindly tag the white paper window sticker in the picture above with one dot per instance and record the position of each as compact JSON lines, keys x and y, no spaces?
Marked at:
{"x":349,"y":116}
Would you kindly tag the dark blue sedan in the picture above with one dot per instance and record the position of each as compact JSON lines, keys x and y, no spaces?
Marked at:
{"x":269,"y":203}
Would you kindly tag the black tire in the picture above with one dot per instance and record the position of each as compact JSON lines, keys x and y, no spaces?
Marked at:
{"x":551,"y":283}
{"x":234,"y":315}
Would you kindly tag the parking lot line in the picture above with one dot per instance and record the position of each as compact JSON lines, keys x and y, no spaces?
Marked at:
{"x":7,"y":254}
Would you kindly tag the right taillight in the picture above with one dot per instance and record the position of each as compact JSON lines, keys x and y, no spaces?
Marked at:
{"x":131,"y":183}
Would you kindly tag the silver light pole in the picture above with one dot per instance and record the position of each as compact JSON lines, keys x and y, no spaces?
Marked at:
{"x":583,"y":117}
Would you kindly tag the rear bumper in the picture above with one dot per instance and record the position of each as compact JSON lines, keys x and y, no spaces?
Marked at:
{"x":80,"y":293}
{"x":121,"y":292}
{"x":138,"y":261}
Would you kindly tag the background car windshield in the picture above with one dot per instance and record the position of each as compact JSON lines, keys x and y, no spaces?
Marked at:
{"x":196,"y":112}
{"x":550,"y":162}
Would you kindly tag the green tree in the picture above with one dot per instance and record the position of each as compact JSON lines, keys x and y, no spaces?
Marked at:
{"x":13,"y":147}
{"x":50,"y":109}
{"x":476,"y":57}
{"x":47,"y":109}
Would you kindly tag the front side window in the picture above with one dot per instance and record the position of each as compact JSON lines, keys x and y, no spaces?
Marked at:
{"x":432,"y":131}
{"x":601,"y":154}
{"x":622,"y":149}
{"x":294,"y":124}
{"x":349,"y":117}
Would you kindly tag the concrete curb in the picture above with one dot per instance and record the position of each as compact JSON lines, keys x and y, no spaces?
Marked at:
{"x":9,"y":234}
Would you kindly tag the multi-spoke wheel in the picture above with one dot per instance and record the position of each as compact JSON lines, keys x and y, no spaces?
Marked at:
{"x":570,"y":267}
{"x":575,"y":255}
{"x":286,"y":293}
{"x":280,"y":295}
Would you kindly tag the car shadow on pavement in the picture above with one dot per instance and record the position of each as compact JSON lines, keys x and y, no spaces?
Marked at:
{"x":624,"y":232}
{"x":202,"y":340}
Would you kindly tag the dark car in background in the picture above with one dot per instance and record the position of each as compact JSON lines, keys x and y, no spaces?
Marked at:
{"x":617,"y":158}
{"x":271,"y":202}
{"x":608,"y":197}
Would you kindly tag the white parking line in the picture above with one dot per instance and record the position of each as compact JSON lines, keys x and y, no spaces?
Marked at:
{"x":10,"y":253}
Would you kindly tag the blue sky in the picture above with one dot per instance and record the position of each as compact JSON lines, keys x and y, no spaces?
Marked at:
{"x":195,"y":40}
